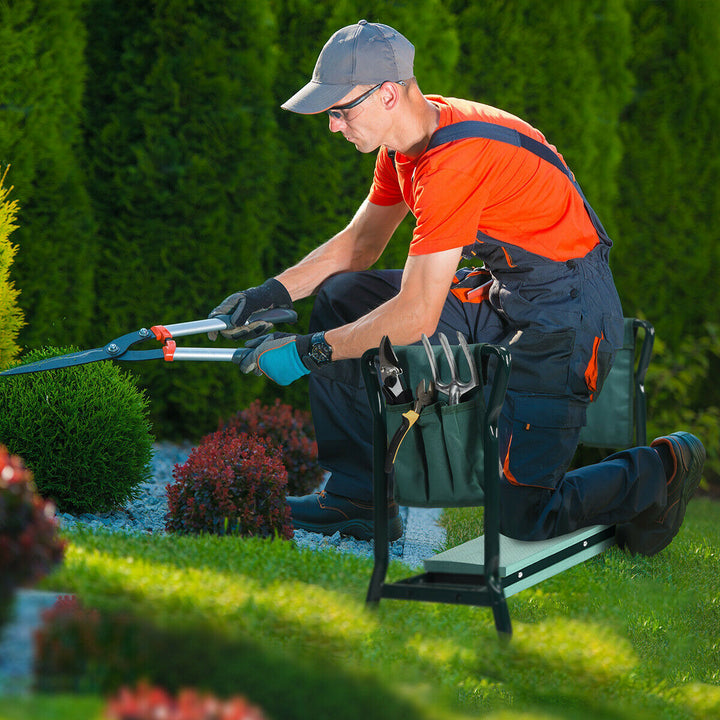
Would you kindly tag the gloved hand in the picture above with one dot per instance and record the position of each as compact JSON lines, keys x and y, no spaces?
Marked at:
{"x":283,"y":357}
{"x":241,"y":305}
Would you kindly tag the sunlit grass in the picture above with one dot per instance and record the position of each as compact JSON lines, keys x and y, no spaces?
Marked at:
{"x":615,"y":637}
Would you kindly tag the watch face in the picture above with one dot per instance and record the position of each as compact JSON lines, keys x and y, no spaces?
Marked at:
{"x":320,"y":351}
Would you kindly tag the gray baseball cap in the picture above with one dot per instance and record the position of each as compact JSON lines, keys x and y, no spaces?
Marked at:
{"x":361,"y":54}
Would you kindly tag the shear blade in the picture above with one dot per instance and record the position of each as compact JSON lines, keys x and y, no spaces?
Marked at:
{"x":61,"y":361}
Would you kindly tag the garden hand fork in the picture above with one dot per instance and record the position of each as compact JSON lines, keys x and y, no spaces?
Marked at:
{"x":456,"y":388}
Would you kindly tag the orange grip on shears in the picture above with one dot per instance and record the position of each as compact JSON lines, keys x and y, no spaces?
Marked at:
{"x":169,"y":350}
{"x":160,"y":332}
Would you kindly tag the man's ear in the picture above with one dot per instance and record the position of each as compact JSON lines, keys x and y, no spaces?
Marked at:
{"x":389,"y":95}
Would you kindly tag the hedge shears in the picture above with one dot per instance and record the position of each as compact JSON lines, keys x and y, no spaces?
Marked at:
{"x":121,"y":348}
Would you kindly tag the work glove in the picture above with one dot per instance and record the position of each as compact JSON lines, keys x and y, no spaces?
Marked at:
{"x":241,"y":305}
{"x":282,"y":357}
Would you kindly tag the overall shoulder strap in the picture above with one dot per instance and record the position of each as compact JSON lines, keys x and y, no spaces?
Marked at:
{"x":491,"y":131}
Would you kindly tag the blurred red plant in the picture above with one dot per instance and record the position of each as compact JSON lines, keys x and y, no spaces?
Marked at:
{"x":29,"y":543}
{"x":152,"y":703}
{"x":293,"y":433}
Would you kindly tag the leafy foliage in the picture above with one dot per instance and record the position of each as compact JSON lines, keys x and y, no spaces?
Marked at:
{"x":292,"y":432}
{"x":677,"y":390}
{"x":232,"y":484}
{"x":667,"y":254}
{"x":183,"y":167}
{"x":83,"y":431}
{"x":29,"y":544}
{"x":11,"y":316}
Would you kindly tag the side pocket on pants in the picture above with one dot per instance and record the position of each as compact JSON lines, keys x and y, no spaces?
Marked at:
{"x":544,"y":432}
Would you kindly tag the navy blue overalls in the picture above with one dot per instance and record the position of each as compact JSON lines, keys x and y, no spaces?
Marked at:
{"x":561,"y":321}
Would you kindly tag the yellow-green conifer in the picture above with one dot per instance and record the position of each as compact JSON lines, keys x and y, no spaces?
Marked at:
{"x":11,"y":317}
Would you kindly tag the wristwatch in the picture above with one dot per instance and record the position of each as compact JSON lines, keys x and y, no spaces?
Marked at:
{"x":320,"y":351}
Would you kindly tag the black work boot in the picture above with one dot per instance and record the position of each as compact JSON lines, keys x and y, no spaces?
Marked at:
{"x":648,"y":535}
{"x":326,"y":513}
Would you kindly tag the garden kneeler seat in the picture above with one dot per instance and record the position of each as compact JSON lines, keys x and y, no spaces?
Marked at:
{"x":616,"y":420}
{"x":432,"y":472}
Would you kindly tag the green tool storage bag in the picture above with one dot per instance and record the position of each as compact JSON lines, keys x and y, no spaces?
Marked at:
{"x":440,"y":462}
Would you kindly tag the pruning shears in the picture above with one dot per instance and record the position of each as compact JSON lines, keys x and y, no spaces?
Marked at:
{"x":120,"y":348}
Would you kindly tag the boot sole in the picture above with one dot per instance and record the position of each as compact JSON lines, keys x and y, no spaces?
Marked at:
{"x":359,"y":529}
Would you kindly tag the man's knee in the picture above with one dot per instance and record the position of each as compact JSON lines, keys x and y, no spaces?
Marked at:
{"x":520,"y":510}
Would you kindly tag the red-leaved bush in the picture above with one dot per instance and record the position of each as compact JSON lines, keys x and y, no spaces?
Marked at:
{"x":90,"y":650}
{"x":29,"y":544}
{"x":65,"y":644}
{"x":231,"y":484}
{"x":153,"y":703}
{"x":290,"y":430}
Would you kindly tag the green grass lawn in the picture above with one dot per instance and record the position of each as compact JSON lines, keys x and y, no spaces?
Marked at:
{"x":616,"y":637}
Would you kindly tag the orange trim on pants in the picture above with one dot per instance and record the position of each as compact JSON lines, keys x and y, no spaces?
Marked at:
{"x":591,"y":372}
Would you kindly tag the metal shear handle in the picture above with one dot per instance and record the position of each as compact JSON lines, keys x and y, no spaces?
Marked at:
{"x":456,"y":388}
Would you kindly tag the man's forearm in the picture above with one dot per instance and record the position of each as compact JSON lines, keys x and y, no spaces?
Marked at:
{"x":332,"y":257}
{"x":415,"y":310}
{"x":356,"y":247}
{"x":402,"y":323}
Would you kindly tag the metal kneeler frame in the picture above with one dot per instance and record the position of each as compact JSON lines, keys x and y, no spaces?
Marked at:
{"x":459,"y":588}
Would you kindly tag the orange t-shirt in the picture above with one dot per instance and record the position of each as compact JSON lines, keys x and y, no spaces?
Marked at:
{"x":502,"y":190}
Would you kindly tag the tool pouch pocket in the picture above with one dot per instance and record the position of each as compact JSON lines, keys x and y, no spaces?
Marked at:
{"x":440,"y":463}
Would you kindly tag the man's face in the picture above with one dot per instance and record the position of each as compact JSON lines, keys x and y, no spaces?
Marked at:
{"x":358,"y":117}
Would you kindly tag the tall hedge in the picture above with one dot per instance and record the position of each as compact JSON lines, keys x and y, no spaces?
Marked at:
{"x":199,"y":184}
{"x":184,"y":176}
{"x":11,"y":317}
{"x":562,"y":67}
{"x":669,"y":250}
{"x":42,"y":72}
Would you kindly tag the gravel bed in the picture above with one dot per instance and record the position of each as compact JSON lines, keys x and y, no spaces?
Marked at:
{"x":146,"y":514}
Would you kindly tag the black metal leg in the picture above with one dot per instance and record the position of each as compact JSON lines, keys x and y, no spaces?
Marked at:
{"x":501,"y":613}
{"x":380,"y":514}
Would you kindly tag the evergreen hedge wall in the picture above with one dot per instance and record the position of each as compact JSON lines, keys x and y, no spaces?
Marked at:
{"x":157,"y":172}
{"x":42,"y":71}
{"x":668,"y":254}
{"x":184,"y":167}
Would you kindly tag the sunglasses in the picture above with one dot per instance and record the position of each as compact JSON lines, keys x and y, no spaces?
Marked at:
{"x":337,"y":111}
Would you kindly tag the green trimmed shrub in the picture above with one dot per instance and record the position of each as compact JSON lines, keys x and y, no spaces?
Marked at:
{"x":83,"y":431}
{"x":677,"y":383}
{"x":10,"y":314}
{"x":232,"y":484}
{"x":292,"y":432}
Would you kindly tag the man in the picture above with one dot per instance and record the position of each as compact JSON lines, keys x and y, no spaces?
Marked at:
{"x":546,"y":292}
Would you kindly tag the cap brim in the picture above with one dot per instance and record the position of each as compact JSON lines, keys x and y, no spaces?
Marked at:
{"x":316,"y":97}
